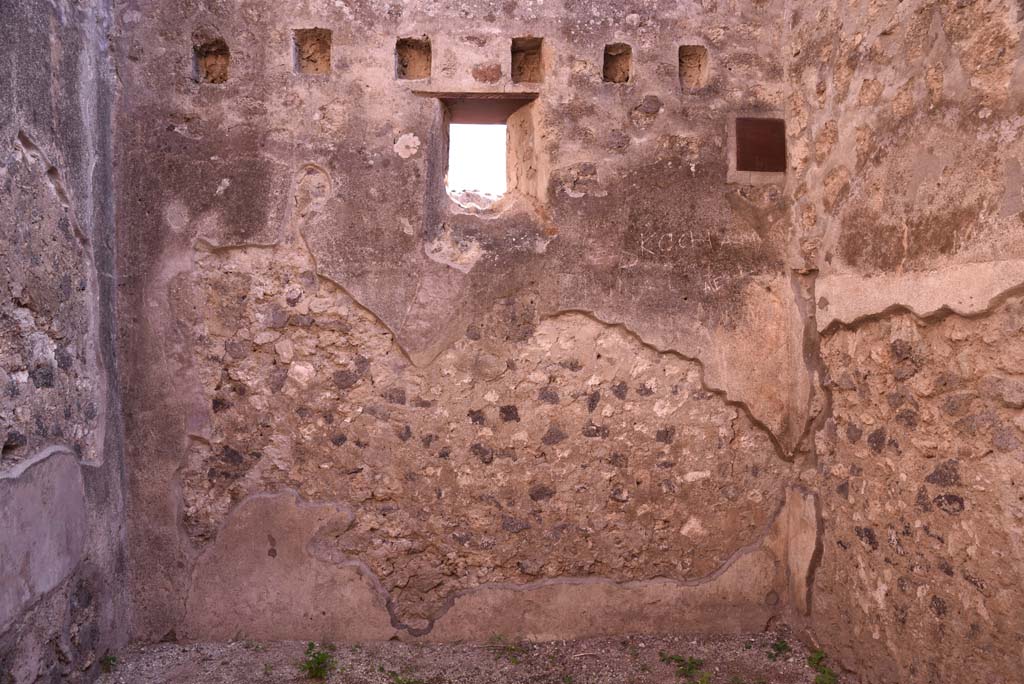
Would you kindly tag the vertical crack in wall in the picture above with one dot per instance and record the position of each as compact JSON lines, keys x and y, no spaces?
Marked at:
{"x":813,"y":380}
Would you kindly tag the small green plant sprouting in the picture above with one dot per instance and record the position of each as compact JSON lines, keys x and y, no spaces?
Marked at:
{"x":685,"y":667}
{"x":108,"y":663}
{"x":825,"y":674}
{"x":703,"y":678}
{"x":396,"y":678}
{"x":268,"y":669}
{"x":779,"y":649}
{"x":567,"y":679}
{"x":319,"y":663}
{"x":502,"y":648}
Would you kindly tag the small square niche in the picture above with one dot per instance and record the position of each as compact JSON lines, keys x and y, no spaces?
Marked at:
{"x":210,"y":61}
{"x":527,"y":63}
{"x":412,"y":58}
{"x":618,"y":62}
{"x":312,"y":50}
{"x":693,"y":66}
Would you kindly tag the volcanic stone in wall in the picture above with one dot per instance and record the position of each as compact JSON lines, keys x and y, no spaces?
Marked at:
{"x":922,"y":470}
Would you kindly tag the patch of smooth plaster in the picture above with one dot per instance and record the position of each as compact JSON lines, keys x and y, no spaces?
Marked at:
{"x":42,"y":528}
{"x":966,"y":289}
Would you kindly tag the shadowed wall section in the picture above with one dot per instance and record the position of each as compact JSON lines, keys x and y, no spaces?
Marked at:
{"x":62,"y":557}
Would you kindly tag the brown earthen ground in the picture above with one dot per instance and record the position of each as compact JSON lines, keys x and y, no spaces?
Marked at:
{"x":618,"y":660}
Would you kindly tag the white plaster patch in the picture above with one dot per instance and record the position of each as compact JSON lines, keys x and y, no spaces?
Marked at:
{"x":176,"y":215}
{"x":460,"y":255}
{"x":407,"y":145}
{"x":693,"y":528}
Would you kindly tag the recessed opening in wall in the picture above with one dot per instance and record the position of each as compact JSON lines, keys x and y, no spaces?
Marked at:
{"x":618,"y":61}
{"x":412,"y":58}
{"x":693,"y":66}
{"x":527,"y":65}
{"x":761,"y":145}
{"x":490,"y":149}
{"x":210,"y":61}
{"x":312,"y":50}
{"x":477,"y":161}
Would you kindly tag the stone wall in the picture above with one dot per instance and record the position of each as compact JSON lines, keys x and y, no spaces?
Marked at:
{"x":908,"y":205}
{"x":648,"y":391}
{"x":62,"y":607}
{"x":583,"y":392}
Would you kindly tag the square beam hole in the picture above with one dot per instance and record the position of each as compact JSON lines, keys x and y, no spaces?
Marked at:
{"x":412,"y":58}
{"x":618,"y":62}
{"x":761,"y":145}
{"x":693,"y":66}
{"x":210,"y":61}
{"x":312,"y":51}
{"x":527,"y":64}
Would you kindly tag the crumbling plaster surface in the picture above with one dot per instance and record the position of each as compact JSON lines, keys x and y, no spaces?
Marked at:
{"x":61,"y":542}
{"x":269,"y":548}
{"x":906,"y":152}
{"x":593,"y":382}
{"x":525,"y":434}
{"x":906,"y":124}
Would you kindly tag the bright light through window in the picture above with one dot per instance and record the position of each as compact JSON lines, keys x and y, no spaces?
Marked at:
{"x":476,"y":161}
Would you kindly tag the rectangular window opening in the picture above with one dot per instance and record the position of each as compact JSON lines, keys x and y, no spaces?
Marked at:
{"x":761,"y":145}
{"x":477,"y":163}
{"x":313,"y":51}
{"x":412,"y":58}
{"x":527,"y":62}
{"x":490,"y":149}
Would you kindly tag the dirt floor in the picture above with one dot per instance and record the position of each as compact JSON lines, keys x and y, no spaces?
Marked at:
{"x":769,"y":658}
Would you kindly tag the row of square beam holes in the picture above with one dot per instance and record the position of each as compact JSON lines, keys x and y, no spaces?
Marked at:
{"x":312,"y":53}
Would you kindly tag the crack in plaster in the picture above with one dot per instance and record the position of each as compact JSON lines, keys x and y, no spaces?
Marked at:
{"x":721,"y":393}
{"x":804,"y":285}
